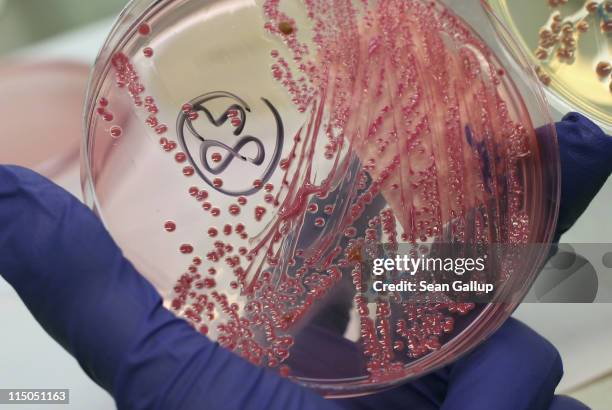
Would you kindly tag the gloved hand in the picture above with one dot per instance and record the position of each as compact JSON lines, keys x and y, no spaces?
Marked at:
{"x":586,"y":162}
{"x":77,"y":284}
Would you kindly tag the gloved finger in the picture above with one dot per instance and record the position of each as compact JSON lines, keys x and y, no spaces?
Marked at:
{"x":566,"y":403}
{"x":514,"y":369}
{"x":586,"y":163}
{"x":426,"y":393}
{"x":77,"y":284}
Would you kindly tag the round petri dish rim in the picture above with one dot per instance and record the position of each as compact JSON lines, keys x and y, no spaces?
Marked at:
{"x":487,"y":321}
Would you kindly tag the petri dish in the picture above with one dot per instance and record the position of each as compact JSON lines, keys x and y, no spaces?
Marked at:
{"x":262,"y":154}
{"x":51,"y":92}
{"x":570,"y":44}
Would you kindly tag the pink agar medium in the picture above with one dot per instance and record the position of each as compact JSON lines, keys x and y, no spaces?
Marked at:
{"x":425,"y":109}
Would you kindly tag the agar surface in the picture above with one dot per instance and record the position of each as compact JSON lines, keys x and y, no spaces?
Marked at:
{"x":423,"y":136}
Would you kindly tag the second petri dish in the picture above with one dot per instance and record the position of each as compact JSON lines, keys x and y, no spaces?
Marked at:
{"x":570,"y":44}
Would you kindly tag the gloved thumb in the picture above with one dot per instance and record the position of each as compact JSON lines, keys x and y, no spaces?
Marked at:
{"x":586,"y":163}
{"x":74,"y":279}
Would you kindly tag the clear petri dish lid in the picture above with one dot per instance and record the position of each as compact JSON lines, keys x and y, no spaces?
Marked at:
{"x":264,"y":159}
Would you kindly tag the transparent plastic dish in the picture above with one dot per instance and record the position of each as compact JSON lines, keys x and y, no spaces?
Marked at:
{"x":570,"y":44}
{"x":252,"y":158}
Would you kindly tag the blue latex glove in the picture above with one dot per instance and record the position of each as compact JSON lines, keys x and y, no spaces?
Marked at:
{"x":586,"y":163}
{"x":77,"y":284}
